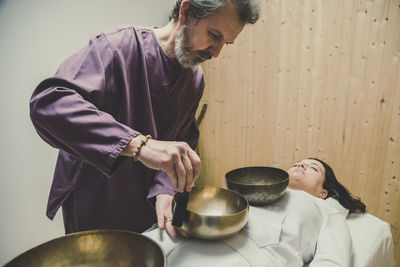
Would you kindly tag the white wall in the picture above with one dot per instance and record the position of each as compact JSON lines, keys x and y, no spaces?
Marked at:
{"x":35,"y":36}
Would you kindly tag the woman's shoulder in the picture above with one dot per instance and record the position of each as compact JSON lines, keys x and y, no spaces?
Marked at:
{"x":333,"y":206}
{"x":326,"y":206}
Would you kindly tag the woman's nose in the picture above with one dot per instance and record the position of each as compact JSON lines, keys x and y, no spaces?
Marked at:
{"x":301,"y":165}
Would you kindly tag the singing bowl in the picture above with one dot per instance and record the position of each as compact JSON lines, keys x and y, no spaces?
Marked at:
{"x":259,"y":185}
{"x":95,"y":248}
{"x":214,"y":213}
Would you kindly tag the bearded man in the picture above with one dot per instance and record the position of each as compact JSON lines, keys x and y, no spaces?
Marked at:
{"x":121,"y":111}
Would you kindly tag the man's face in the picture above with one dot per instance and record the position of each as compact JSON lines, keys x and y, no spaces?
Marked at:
{"x":202,"y":39}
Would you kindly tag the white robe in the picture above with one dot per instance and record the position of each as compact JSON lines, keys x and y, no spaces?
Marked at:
{"x":297,"y":230}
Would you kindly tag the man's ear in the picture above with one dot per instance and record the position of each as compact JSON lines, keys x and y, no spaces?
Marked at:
{"x":184,"y":12}
{"x":323,"y":194}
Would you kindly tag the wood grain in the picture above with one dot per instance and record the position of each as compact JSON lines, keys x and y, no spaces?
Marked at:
{"x":311,"y":78}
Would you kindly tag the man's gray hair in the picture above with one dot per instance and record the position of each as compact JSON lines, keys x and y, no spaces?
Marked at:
{"x":248,"y":10}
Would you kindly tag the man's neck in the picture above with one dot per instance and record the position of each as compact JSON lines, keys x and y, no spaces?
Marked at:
{"x":166,"y":37}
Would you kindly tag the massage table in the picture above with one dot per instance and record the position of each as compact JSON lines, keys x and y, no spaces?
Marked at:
{"x":372,"y":241}
{"x":371,"y":238}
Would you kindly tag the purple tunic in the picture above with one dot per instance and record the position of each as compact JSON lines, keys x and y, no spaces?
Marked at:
{"x":121,"y":85}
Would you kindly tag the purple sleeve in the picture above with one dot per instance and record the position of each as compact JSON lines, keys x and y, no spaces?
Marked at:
{"x":162,"y":184}
{"x":71,"y":111}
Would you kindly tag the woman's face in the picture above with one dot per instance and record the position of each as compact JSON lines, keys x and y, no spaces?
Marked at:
{"x":308,"y":175}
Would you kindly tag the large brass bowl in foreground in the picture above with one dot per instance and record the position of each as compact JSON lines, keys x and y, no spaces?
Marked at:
{"x":259,"y":185}
{"x":214,"y":213}
{"x":95,"y":248}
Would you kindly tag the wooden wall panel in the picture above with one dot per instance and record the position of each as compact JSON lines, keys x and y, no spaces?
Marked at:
{"x":312,"y":78}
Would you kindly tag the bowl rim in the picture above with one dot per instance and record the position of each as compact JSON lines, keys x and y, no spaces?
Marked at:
{"x":253,"y":185}
{"x":86,"y":232}
{"x":246,"y":209}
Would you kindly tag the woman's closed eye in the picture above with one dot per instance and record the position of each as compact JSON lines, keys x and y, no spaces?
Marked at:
{"x":315,"y":169}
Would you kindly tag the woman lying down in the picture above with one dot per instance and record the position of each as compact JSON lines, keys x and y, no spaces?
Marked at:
{"x":306,"y":226}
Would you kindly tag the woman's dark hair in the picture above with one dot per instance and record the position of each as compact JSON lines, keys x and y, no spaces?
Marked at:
{"x":339,"y":192}
{"x":248,"y":9}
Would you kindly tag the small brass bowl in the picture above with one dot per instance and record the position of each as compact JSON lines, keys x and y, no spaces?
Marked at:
{"x":94,"y":248}
{"x":214,"y":213}
{"x":259,"y":185}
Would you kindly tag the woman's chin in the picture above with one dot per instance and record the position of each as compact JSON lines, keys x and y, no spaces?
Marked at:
{"x":296,"y":182}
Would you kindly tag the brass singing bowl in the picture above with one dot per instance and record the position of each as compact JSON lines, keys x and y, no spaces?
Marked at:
{"x":214,"y":213}
{"x":95,"y":248}
{"x":259,"y":185}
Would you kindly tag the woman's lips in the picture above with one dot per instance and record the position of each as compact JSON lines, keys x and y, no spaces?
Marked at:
{"x":300,"y":170}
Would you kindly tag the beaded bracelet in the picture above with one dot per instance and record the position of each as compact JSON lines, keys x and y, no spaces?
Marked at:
{"x":143,"y":142}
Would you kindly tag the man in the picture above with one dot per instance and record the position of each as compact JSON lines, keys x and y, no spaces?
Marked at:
{"x":132,"y":92}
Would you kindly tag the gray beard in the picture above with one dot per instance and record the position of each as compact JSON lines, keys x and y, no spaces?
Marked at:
{"x":182,"y":48}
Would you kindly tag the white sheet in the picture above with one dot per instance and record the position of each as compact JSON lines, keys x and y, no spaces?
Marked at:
{"x":372,"y":241}
{"x":371,"y":238}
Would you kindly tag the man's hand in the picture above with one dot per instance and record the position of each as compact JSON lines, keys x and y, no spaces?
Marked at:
{"x":177,"y":159}
{"x":164,"y":216}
